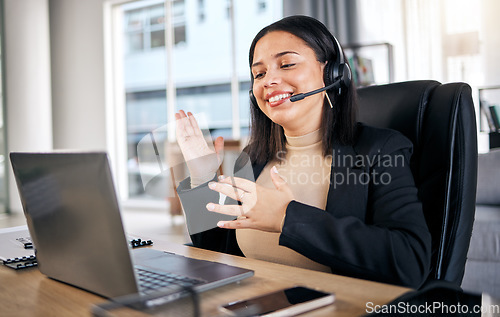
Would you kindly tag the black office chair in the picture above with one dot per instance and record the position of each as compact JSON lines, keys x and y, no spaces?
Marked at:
{"x":440,"y":121}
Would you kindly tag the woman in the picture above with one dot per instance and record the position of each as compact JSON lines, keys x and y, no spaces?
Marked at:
{"x":330,"y":194}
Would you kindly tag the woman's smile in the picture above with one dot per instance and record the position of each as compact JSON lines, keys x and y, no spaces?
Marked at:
{"x":276,"y":98}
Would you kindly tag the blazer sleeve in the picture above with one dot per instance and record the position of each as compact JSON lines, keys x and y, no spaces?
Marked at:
{"x":392,"y":244}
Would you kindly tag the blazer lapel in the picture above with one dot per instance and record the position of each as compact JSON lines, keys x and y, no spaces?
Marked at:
{"x":349,"y":178}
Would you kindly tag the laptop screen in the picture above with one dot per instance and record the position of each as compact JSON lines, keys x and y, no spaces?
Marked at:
{"x":74,"y":220}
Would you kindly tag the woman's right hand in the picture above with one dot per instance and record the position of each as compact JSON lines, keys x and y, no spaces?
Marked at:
{"x":201,"y":159}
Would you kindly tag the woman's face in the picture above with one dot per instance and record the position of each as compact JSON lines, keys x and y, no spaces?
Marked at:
{"x":284,"y":65}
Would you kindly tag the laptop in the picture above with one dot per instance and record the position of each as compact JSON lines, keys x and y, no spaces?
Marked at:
{"x":74,"y":221}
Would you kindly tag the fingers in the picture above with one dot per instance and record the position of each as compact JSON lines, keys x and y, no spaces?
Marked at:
{"x":219,"y":148}
{"x":238,"y":182}
{"x":180,"y":123}
{"x":179,"y":115}
{"x":194,"y":124}
{"x":230,"y":210}
{"x":186,"y":124}
{"x":276,"y":178}
{"x":235,"y":224}
{"x":219,"y":145}
{"x":228,"y":190}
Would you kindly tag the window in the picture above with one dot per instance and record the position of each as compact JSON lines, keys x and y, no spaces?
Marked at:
{"x":157,"y":26}
{"x":152,"y":79}
{"x":135,"y":30}
{"x":201,"y":10}
{"x":145,"y":27}
{"x":261,"y":6}
{"x":228,"y":8}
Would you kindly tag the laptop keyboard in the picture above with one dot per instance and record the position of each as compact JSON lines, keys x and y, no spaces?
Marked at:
{"x":151,"y":281}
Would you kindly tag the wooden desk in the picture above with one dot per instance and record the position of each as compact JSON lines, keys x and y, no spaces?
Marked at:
{"x":30,"y":293}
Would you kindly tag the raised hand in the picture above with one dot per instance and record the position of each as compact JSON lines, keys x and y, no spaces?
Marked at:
{"x":200,"y":158}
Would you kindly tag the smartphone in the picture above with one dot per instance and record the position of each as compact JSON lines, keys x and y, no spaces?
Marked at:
{"x":286,"y":302}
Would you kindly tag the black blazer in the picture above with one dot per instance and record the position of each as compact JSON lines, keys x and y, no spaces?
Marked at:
{"x":372,"y":227}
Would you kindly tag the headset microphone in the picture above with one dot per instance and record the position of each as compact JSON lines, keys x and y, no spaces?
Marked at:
{"x":298,"y":97}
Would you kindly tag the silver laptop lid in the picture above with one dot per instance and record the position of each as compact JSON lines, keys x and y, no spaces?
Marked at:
{"x":74,"y":220}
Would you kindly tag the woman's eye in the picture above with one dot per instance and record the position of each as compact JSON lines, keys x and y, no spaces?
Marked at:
{"x":287,"y":65}
{"x":259,"y":75}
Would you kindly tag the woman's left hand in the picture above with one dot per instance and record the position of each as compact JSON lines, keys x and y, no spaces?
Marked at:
{"x":261,"y":208}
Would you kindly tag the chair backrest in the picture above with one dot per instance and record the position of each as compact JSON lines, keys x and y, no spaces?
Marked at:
{"x":440,"y":121}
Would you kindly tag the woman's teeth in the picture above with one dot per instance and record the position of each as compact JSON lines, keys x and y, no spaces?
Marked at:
{"x":278,"y":97}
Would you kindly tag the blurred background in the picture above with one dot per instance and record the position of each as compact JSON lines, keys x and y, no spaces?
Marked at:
{"x":105,"y":74}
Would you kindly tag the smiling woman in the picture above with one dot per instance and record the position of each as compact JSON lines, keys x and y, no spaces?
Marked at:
{"x":337,"y":214}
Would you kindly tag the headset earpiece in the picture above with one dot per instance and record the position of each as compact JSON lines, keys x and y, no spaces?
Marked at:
{"x":338,"y":69}
{"x":346,"y":75}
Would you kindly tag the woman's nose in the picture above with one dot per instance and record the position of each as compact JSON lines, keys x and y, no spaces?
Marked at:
{"x":272,"y":78}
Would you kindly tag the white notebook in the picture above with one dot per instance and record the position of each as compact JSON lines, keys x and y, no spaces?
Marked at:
{"x":12,"y":241}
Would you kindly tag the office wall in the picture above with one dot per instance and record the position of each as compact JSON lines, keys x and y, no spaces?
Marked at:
{"x":54,"y":77}
{"x":27,"y":81}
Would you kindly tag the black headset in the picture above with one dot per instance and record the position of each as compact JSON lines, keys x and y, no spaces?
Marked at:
{"x":337,"y":75}
{"x":339,"y":71}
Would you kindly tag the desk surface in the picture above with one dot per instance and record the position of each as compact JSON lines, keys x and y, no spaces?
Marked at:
{"x":30,"y":293}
